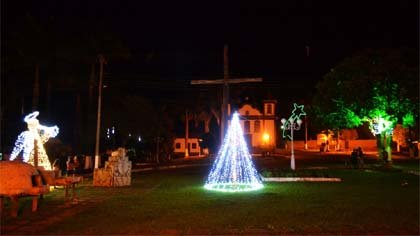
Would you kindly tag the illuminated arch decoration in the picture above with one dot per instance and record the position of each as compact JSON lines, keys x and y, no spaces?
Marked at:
{"x":25,"y":141}
{"x":233,"y":169}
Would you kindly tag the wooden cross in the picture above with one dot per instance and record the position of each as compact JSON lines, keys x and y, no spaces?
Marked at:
{"x":225,"y":81}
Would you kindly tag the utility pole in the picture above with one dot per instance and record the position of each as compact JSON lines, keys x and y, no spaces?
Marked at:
{"x":225,"y":82}
{"x":157,"y":149}
{"x":306,"y":119}
{"x":186,"y":133}
{"x":225,"y":102}
{"x":306,"y":133}
{"x":36,"y":153}
{"x":102,"y":61}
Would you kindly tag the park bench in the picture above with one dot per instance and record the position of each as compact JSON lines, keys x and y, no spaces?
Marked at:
{"x":19,"y":179}
{"x":68,"y":182}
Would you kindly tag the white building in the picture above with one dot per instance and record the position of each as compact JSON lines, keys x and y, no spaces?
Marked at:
{"x":193,"y":146}
{"x":259,"y":127}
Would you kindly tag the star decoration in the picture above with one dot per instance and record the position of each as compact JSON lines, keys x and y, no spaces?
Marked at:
{"x":299,"y":109}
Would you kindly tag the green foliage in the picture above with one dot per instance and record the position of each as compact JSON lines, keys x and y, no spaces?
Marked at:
{"x":408,"y":120}
{"x":368,"y":85}
{"x":389,"y":102}
{"x":336,"y":116}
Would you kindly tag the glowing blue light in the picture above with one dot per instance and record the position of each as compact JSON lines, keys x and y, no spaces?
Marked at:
{"x":25,"y":141}
{"x":233,"y":169}
{"x":379,"y":125}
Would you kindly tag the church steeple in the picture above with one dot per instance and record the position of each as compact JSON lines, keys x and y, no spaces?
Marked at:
{"x":269,"y":107}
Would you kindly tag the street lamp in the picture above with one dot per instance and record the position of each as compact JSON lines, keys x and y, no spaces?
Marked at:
{"x":293,"y":123}
{"x":102,"y":61}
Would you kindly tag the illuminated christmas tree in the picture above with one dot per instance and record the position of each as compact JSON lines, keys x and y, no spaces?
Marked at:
{"x":233,"y":169}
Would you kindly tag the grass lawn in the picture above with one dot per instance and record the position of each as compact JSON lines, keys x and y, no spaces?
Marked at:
{"x":174,"y":202}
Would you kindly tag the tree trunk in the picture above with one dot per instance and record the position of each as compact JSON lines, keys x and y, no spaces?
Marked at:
{"x":384,"y":142}
{"x":91,"y":84}
{"x":48,"y":98}
{"x":35,"y":93}
{"x":77,"y":136}
{"x":207,"y":125}
{"x":337,"y":140}
{"x":388,"y":148}
{"x":157,"y":150}
{"x":91,"y":110}
{"x":186,"y":134}
{"x":379,"y":145}
{"x":196,"y":121}
{"x":216,"y":115}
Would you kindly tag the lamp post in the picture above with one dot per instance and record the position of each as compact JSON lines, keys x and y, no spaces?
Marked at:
{"x":306,"y":133}
{"x":293,"y":123}
{"x":102,"y":61}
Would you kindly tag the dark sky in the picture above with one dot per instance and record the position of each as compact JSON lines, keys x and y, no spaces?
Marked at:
{"x":173,"y":42}
{"x":178,"y":41}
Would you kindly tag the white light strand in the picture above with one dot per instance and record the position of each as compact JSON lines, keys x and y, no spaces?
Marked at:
{"x":379,"y":125}
{"x":233,"y":169}
{"x":25,"y":141}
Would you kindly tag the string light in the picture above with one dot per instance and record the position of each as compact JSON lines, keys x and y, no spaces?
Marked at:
{"x":379,"y":125}
{"x":25,"y":141}
{"x":233,"y":169}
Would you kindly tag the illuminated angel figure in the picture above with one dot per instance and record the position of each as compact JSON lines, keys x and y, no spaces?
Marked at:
{"x":26,"y":140}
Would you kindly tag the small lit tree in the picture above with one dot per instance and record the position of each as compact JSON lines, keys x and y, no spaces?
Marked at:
{"x":400,"y":136}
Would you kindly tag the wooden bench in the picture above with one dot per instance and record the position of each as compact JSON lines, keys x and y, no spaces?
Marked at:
{"x":68,"y":182}
{"x":19,"y":179}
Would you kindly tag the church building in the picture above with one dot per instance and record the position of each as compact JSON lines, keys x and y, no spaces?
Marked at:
{"x":258,"y":126}
{"x":258,"y":123}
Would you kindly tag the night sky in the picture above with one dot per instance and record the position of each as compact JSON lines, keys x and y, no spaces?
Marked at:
{"x":177,"y":41}
{"x":290,"y":44}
